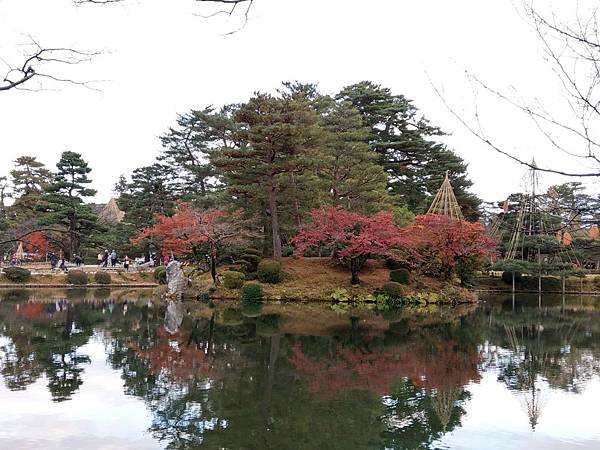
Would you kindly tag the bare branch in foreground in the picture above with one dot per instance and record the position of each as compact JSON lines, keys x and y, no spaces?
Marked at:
{"x":38,"y":61}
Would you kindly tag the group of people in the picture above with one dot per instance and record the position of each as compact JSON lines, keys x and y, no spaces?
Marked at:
{"x":111,"y":259}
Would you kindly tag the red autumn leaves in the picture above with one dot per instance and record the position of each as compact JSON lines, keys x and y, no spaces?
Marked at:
{"x":354,"y":238}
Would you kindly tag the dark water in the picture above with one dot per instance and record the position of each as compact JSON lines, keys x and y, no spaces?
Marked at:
{"x":99,"y":370}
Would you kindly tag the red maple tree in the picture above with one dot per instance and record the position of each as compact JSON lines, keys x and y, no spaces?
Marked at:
{"x":36,"y":243}
{"x":353,"y":237}
{"x":448,"y":244}
{"x":188,"y":229}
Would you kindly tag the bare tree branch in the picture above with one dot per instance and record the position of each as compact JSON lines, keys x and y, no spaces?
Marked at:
{"x":38,"y":60}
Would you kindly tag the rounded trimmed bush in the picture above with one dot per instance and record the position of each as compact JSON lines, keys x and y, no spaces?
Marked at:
{"x":269,"y":271}
{"x":77,"y":277}
{"x":393,"y":289}
{"x":507,"y":276}
{"x":394,"y":264}
{"x":102,"y":278}
{"x":160,"y":275}
{"x":252,"y":292}
{"x":251,"y":262}
{"x":253,"y":251}
{"x":401,"y":276}
{"x":233,"y":279}
{"x":17,"y":274}
{"x":286,"y":251}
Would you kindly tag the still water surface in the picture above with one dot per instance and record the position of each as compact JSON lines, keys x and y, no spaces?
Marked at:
{"x":114,"y":370}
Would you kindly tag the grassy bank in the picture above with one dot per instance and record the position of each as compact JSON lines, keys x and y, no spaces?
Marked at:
{"x":315,"y":279}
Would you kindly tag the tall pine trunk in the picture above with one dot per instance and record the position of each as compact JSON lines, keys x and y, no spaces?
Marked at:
{"x":275,"y":223}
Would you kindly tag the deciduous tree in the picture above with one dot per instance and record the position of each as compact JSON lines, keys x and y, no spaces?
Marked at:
{"x":353,"y":237}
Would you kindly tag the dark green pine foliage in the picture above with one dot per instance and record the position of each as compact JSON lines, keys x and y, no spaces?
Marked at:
{"x":408,"y":151}
{"x":187,"y":149}
{"x":63,"y":202}
{"x":150,"y":192}
{"x":345,"y":164}
{"x":29,"y":179}
{"x":277,"y":137}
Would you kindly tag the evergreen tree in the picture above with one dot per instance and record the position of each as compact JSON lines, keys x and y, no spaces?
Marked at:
{"x":4,"y":194}
{"x":29,"y":179}
{"x":149,"y":193}
{"x":188,"y":146}
{"x":62,"y":202}
{"x":346,"y":165}
{"x":277,"y":137}
{"x":404,"y":140}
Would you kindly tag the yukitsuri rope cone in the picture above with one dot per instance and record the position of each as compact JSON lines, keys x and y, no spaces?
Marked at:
{"x":445,"y":202}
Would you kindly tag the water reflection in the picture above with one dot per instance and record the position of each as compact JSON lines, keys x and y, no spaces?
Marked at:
{"x":302,"y":376}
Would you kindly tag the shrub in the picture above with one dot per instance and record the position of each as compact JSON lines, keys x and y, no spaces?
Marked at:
{"x":508,"y":274}
{"x":160,"y":275}
{"x":102,"y":278}
{"x":340,"y":295}
{"x":399,"y":276}
{"x":17,"y":274}
{"x":252,"y":292}
{"x":253,"y":251}
{"x":233,"y":279}
{"x":251,"y":262}
{"x":77,"y":277}
{"x":288,"y":250}
{"x":393,"y":289}
{"x":394,"y":264}
{"x":269,"y":271}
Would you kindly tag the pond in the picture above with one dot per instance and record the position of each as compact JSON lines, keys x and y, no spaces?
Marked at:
{"x":115,"y":370}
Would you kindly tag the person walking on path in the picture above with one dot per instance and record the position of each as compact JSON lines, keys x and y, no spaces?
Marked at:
{"x":113,"y":259}
{"x":100,"y":258}
{"x":105,"y":258}
{"x":126,"y":263}
{"x":166,"y":260}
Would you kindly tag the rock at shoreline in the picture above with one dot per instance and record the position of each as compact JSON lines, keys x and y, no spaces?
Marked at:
{"x":176,"y":279}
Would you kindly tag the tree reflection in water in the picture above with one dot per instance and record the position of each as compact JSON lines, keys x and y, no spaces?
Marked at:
{"x":235,"y":377}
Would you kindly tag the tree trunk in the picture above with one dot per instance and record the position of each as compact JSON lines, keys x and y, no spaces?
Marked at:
{"x":354,"y":269}
{"x":213,"y":262}
{"x":275,"y":224}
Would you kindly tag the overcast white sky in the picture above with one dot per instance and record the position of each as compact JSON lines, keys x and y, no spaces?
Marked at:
{"x":161,"y":58}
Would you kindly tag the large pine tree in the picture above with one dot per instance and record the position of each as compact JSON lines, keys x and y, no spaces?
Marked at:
{"x":408,"y":148}
{"x":63,"y":202}
{"x":277,"y":137}
{"x":29,"y":179}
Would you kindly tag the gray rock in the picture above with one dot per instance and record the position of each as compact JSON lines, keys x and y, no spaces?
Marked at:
{"x":176,"y":279}
{"x":174,"y":316}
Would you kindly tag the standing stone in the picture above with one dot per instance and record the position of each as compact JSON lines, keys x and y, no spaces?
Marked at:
{"x":176,"y":279}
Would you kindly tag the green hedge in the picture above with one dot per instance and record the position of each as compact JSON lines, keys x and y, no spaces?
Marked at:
{"x":17,"y":274}
{"x":288,"y":250}
{"x":160,"y":275}
{"x":253,"y":251}
{"x":393,"y":289}
{"x":401,"y":276}
{"x":77,"y":277}
{"x":233,"y":279}
{"x":269,"y":271}
{"x":102,"y":278}
{"x":252,"y":292}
